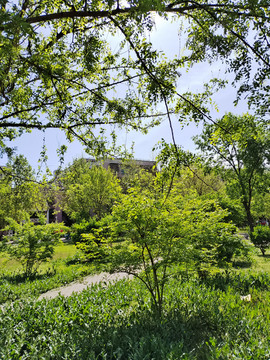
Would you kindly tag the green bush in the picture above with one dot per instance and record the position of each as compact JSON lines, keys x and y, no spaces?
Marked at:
{"x":90,"y":237}
{"x":83,"y":227}
{"x":261,"y":238}
{"x":32,"y":244}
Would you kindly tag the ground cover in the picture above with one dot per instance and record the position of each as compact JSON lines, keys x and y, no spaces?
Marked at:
{"x":200,"y":321}
{"x":203,"y":318}
{"x":61,"y":270}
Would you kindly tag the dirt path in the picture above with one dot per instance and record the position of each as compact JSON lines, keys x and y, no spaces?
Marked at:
{"x":78,"y":286}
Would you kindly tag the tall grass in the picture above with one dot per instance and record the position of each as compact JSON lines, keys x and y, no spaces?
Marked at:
{"x":203,"y":318}
{"x":115,"y":321}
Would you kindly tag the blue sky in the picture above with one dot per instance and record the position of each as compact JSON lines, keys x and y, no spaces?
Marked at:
{"x":164,"y":37}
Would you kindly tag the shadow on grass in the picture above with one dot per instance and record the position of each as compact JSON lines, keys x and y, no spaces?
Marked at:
{"x":19,"y":277}
{"x":150,"y":339}
{"x":242,"y":264}
{"x":147,"y":337}
{"x":240,"y":282}
{"x":266,"y":256}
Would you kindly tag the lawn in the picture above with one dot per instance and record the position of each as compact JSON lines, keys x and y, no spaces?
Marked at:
{"x":62,"y":252}
{"x":61,"y":270}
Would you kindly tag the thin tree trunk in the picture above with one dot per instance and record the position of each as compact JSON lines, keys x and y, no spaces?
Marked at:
{"x":249,"y":216}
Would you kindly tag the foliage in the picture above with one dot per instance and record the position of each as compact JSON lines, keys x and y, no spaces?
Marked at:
{"x":261,"y":238}
{"x":31,"y":244}
{"x":152,"y":240}
{"x":93,"y":240}
{"x":60,"y":69}
{"x":114,"y":322}
{"x":19,"y":193}
{"x":172,"y":159}
{"x":159,"y":233}
{"x":261,"y":204}
{"x":93,"y":245}
{"x":236,"y":213}
{"x":87,"y":190}
{"x":239,"y":148}
{"x":213,"y":239}
{"x":83,"y":227}
{"x":204,"y":183}
{"x":135,"y":175}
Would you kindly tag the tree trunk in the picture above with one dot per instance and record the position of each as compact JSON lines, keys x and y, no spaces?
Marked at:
{"x":262,"y":250}
{"x":249,"y":216}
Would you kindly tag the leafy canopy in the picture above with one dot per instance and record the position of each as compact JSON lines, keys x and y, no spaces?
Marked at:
{"x":87,"y":67}
{"x":20,"y":194}
{"x":87,"y":190}
{"x":239,"y":147}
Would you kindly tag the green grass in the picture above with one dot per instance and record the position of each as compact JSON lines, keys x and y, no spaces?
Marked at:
{"x":59,"y":271}
{"x":61,"y":252}
{"x":261,"y":263}
{"x":201,"y":321}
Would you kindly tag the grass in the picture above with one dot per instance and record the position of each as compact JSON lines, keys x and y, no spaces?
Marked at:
{"x":261,"y":263}
{"x":62,"y":252}
{"x":200,"y":322}
{"x":202,"y":319}
{"x":61,"y":270}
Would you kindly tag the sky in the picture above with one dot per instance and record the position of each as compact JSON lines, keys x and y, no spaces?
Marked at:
{"x":164,"y":37}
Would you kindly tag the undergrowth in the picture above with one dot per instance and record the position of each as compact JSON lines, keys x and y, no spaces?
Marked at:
{"x":14,"y":285}
{"x":201,"y":320}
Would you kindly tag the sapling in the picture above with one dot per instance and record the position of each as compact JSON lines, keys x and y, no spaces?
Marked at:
{"x":32,"y":244}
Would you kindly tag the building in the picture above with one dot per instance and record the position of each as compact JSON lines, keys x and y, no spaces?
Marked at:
{"x":119,"y":167}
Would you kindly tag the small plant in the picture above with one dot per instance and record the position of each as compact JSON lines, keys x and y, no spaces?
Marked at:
{"x":32,"y":244}
{"x":261,"y":238}
{"x":94,"y":245}
{"x":84,"y":227}
{"x":92,"y":242}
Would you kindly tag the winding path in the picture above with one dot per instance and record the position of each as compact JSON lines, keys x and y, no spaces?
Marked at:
{"x":78,"y":286}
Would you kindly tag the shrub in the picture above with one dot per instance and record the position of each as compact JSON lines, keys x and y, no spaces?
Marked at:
{"x":32,"y":244}
{"x":84,"y":227}
{"x":90,"y":237}
{"x":261,"y":238}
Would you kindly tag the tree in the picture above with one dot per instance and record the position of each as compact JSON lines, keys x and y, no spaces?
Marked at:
{"x":135,"y":175}
{"x":20,"y":194}
{"x":261,"y":238}
{"x":152,"y":241}
{"x":59,"y":68}
{"x":159,"y":237}
{"x":31,"y":244}
{"x":190,"y":174}
{"x":239,"y":146}
{"x":261,"y":204}
{"x":87,"y":190}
